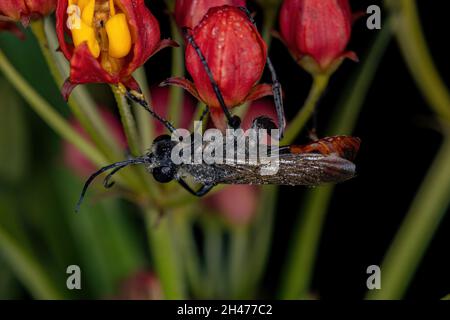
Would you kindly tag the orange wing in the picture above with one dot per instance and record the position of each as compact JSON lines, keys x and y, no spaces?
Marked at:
{"x":343,"y":146}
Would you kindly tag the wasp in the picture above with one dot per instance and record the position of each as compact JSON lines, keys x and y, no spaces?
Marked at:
{"x":328,"y":160}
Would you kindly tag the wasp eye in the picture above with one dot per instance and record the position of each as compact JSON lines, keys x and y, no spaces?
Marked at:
{"x":164,"y":174}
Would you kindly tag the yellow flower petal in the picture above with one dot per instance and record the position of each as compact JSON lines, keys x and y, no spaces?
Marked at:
{"x":112,"y":9}
{"x":87,"y":14}
{"x":86,"y":34}
{"x":119,"y":36}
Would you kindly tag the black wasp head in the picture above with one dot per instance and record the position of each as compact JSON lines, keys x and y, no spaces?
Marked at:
{"x":164,"y":170}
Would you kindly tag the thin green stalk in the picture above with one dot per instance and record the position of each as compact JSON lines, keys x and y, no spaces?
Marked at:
{"x":298,"y":269}
{"x":270,"y":17}
{"x":214,"y":248}
{"x":320,"y":83}
{"x":189,"y":251}
{"x":28,"y":270}
{"x":144,"y":119}
{"x":412,"y":42}
{"x":262,"y":234}
{"x":417,"y":230}
{"x":81,"y":104}
{"x":239,"y":247}
{"x":128,"y":122}
{"x":176,"y":94}
{"x":48,"y":113}
{"x":302,"y":255}
{"x":165,"y":254}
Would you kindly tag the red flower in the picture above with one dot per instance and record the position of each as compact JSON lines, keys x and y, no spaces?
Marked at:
{"x":317,"y":32}
{"x":75,"y":160}
{"x":26,"y":10}
{"x":236,"y":54}
{"x":188,"y":13}
{"x":111,"y":39}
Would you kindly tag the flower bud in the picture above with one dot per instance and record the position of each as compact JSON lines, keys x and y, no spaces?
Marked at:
{"x":110,"y":40}
{"x":188,"y":13}
{"x":236,"y":55}
{"x":317,"y":32}
{"x":26,"y":10}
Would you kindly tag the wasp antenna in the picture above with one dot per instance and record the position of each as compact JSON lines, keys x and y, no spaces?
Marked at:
{"x":140,"y":99}
{"x":116,"y":166}
{"x":276,"y":85}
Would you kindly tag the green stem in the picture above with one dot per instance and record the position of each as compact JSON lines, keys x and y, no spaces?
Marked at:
{"x":319,"y":85}
{"x":48,"y":114}
{"x":238,"y":261}
{"x":176,"y":94}
{"x":29,"y":271}
{"x":270,"y":17}
{"x":144,"y":120}
{"x":417,"y":230}
{"x":214,"y":247}
{"x":80,"y":102}
{"x":128,"y":122}
{"x":261,"y":236}
{"x":417,"y":55}
{"x":165,"y":254}
{"x":298,"y":270}
{"x":189,"y":251}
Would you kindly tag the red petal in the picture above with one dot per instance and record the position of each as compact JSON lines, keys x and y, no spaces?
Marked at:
{"x":61,"y":29}
{"x":84,"y":68}
{"x":351,"y":55}
{"x":67,"y":89}
{"x":13,"y":9}
{"x":145,"y":33}
{"x":259,"y":91}
{"x":132,"y":84}
{"x":183,"y":83}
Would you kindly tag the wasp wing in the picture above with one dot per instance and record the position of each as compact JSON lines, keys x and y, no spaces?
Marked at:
{"x":288,"y":169}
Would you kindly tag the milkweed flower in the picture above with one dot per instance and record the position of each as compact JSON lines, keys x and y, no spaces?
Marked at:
{"x":188,"y":13}
{"x":110,"y":39}
{"x":26,"y":10}
{"x":236,"y":55}
{"x":317,"y":32}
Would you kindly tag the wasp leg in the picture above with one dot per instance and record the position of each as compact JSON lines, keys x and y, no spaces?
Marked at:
{"x":276,"y":85}
{"x":233,"y":121}
{"x":200,"y":192}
